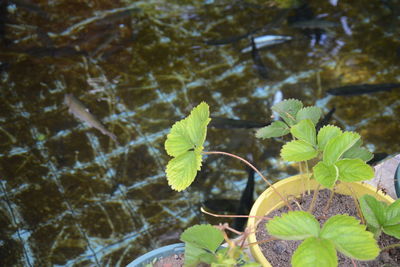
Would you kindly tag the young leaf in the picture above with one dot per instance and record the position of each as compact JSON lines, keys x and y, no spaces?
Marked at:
{"x":315,"y":252}
{"x":326,"y":174}
{"x":185,"y":143}
{"x":276,"y":129}
{"x":305,"y":131}
{"x":203,"y":236}
{"x":313,"y":113}
{"x":393,"y":230}
{"x":374,"y":211}
{"x":195,"y":255}
{"x":336,"y":147}
{"x":354,"y":170}
{"x":294,"y":225}
{"x":325,"y":134}
{"x":393,"y":213}
{"x":298,"y":151}
{"x":356,"y":151}
{"x":350,"y":237}
{"x":287,"y":109}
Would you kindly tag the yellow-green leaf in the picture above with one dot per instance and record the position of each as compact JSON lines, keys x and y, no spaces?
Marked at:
{"x":313,"y":113}
{"x":336,"y":146}
{"x":276,"y":129}
{"x":305,"y":131}
{"x":326,"y":174}
{"x":350,"y":237}
{"x":298,"y":150}
{"x":315,"y":252}
{"x":182,"y":170}
{"x":294,"y":225}
{"x":354,"y":170}
{"x":325,"y":134}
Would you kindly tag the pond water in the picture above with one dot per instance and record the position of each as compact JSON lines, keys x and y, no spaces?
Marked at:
{"x":71,"y":196}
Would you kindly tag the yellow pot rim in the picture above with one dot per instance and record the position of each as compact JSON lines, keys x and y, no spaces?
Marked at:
{"x":294,"y":186}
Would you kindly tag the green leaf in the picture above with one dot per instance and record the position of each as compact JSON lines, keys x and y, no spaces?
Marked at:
{"x":203,"y":236}
{"x":305,"y":131}
{"x":276,"y":129}
{"x":354,"y":170}
{"x":336,"y":147}
{"x":325,"y":134}
{"x":185,"y":143}
{"x":182,"y":170}
{"x":294,"y":225}
{"x":326,"y":174}
{"x":313,"y":113}
{"x":356,"y":151}
{"x":350,"y":237}
{"x":315,"y":252}
{"x":178,"y":140}
{"x":393,"y":213}
{"x":287,"y":109}
{"x":393,"y":230}
{"x":195,"y":255}
{"x":298,"y":151}
{"x":374,"y":211}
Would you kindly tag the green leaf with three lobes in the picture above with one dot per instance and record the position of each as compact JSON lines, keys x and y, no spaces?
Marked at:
{"x":203,"y":236}
{"x":313,"y":113}
{"x":294,"y":225}
{"x":275,"y":129}
{"x":305,"y":131}
{"x":336,"y":146}
{"x":326,"y":174}
{"x":315,"y":252}
{"x":393,"y":230}
{"x":185,"y":143}
{"x":287,"y":110}
{"x":350,"y":237}
{"x":298,"y":150}
{"x":325,"y":134}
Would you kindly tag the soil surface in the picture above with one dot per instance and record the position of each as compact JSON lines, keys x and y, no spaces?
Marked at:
{"x":279,"y":252}
{"x":170,"y":261}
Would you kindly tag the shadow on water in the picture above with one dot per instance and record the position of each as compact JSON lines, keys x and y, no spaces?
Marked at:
{"x":71,"y":196}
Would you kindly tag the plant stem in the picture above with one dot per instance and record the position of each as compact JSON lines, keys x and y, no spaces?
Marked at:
{"x":391,"y":246}
{"x":232,"y":216}
{"x":329,"y":201}
{"x":254,"y":168}
{"x":314,"y":198}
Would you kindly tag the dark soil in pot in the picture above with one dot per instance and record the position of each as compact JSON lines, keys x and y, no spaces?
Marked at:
{"x":279,"y":252}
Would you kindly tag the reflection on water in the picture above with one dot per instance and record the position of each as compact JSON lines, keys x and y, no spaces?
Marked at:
{"x":71,"y":196}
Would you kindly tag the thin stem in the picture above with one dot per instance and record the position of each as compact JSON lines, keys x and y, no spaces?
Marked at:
{"x":262,"y":241}
{"x":233,"y":216}
{"x":308,"y":177}
{"x":397,"y":245}
{"x":314,"y":198}
{"x":353,"y":194}
{"x":329,"y":201}
{"x":251,"y":166}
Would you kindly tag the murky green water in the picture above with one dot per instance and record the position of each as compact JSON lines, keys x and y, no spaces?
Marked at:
{"x":71,"y":196}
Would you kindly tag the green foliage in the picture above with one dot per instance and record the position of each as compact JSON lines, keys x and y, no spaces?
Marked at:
{"x":305,"y":131}
{"x":336,"y":146}
{"x":287,"y":110}
{"x":341,"y":232}
{"x":185,"y":144}
{"x":325,"y":134}
{"x":275,"y":129}
{"x":326,"y":174}
{"x":298,"y":150}
{"x":381,"y":217}
{"x":202,"y":245}
{"x":313,"y":113}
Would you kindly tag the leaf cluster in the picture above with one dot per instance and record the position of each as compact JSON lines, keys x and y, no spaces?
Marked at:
{"x":380,"y":216}
{"x":343,"y":158}
{"x":341,"y":232}
{"x":202,"y":245}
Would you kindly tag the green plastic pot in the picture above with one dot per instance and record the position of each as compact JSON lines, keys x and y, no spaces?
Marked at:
{"x":293,"y":186}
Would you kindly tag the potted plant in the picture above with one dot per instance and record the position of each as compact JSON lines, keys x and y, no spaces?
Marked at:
{"x":327,"y":157}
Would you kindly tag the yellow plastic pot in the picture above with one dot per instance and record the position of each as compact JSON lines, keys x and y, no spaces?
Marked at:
{"x":293,"y":186}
